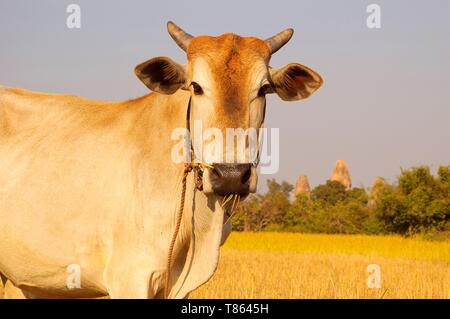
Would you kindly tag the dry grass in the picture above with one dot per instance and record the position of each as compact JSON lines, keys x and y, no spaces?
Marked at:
{"x":283,"y":265}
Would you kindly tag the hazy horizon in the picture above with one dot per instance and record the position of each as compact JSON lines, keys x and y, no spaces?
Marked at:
{"x":384,"y":104}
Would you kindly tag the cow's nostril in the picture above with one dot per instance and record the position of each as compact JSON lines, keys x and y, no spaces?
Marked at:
{"x":245,"y":178}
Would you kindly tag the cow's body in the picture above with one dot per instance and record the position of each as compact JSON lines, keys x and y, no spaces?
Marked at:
{"x":92,"y":183}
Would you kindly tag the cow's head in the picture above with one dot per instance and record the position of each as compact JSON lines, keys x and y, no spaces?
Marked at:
{"x":228,"y":78}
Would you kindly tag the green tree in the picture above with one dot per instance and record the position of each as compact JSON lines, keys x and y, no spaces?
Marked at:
{"x":297,"y":217}
{"x":444,"y":174}
{"x":342,"y":218}
{"x":359,"y":195}
{"x":329,"y":193}
{"x":419,"y":203}
{"x":265,"y":211}
{"x":411,"y":179}
{"x":444,"y":178}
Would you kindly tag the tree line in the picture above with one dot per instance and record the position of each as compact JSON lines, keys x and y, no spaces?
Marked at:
{"x":418,"y":202}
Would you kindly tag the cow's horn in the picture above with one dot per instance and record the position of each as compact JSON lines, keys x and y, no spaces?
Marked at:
{"x":178,"y":35}
{"x":277,"y":41}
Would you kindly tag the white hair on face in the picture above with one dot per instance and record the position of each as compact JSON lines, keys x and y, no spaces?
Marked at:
{"x":257,"y":80}
{"x":202,"y":75}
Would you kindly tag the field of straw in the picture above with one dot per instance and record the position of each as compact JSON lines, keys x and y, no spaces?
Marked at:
{"x":286,"y":265}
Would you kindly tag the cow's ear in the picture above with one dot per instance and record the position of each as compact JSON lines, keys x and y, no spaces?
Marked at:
{"x":161,"y":74}
{"x":295,"y":81}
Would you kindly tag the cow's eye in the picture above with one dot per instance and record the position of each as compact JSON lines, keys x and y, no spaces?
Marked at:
{"x":264,"y":89}
{"x":197,"y":88}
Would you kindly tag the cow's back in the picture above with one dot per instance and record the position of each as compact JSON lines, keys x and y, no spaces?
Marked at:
{"x":22,"y":110}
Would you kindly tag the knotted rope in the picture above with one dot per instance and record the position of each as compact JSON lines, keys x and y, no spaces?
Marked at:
{"x":188,"y":167}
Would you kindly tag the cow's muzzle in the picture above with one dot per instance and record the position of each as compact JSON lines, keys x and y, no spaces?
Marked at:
{"x":223,"y":179}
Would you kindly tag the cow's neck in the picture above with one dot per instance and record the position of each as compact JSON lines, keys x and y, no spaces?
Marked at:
{"x":198,"y":241}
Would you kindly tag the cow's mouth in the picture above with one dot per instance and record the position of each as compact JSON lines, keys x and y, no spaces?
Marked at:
{"x":223,"y":179}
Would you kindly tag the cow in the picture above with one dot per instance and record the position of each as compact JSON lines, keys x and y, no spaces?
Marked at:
{"x":90,"y":190}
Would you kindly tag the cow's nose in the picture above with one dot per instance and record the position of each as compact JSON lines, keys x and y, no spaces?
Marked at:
{"x":230,"y":178}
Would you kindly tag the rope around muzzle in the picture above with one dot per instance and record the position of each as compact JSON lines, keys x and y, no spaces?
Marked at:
{"x":188,"y":167}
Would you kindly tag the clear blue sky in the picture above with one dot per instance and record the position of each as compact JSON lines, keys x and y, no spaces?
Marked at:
{"x":386,"y":99}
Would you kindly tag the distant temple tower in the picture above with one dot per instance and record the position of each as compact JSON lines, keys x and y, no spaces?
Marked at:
{"x":302,"y":186}
{"x":377,"y":184}
{"x":341,"y":174}
{"x":375,"y":191}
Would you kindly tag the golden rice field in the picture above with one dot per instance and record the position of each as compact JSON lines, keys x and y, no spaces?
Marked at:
{"x":287,"y":265}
